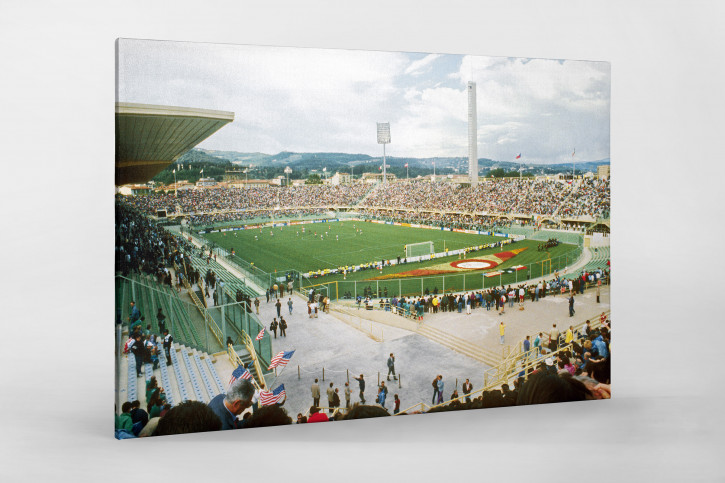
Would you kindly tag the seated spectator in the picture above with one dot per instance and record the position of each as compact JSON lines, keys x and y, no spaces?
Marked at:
{"x":273,"y":415}
{"x":316,"y":416}
{"x":188,"y":417}
{"x":230,"y":405}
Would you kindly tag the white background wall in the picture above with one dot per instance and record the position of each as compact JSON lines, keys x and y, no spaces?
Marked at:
{"x":56,"y":367}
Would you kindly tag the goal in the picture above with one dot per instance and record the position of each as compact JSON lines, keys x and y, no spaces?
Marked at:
{"x":418,"y":249}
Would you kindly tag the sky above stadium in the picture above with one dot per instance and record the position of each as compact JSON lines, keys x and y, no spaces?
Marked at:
{"x":325,"y":100}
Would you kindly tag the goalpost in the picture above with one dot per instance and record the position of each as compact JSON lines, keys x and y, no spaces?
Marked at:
{"x":418,"y":249}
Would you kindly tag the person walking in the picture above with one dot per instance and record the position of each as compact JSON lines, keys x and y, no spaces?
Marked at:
{"x":571,"y":305}
{"x":315,"y":389}
{"x":361,"y":382}
{"x":273,"y":327}
{"x":168,"y":341}
{"x":396,"y":401}
{"x":391,"y":367}
{"x":282,"y":327}
{"x":278,"y":305}
{"x":289,"y":305}
{"x":267,"y":294}
{"x":501,"y":331}
{"x":256,"y":304}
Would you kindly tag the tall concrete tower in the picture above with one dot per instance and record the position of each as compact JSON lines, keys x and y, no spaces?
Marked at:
{"x":472,"y":136}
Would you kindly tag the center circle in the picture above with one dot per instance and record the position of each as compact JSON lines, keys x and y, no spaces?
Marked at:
{"x":474,"y":264}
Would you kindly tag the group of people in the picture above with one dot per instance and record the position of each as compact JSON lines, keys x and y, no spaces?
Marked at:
{"x":588,"y":197}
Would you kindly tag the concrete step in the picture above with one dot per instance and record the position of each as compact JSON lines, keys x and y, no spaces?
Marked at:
{"x":459,"y":345}
{"x":462,"y":342}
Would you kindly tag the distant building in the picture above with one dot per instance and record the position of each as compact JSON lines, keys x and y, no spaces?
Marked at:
{"x":377,"y":177}
{"x":252,"y":183}
{"x":340,"y":178}
{"x":205,"y":182}
{"x":603,"y":171}
{"x":234,"y":174}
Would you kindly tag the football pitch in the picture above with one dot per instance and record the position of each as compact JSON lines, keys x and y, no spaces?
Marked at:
{"x":317,"y":246}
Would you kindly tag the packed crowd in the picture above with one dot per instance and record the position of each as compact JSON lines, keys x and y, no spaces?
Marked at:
{"x":208,"y":219}
{"x":503,"y":196}
{"x":591,"y":198}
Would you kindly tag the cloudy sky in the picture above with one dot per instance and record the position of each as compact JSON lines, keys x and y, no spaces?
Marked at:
{"x":322,"y":100}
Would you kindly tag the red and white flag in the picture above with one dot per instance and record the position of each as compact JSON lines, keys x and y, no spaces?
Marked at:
{"x":260,"y":335}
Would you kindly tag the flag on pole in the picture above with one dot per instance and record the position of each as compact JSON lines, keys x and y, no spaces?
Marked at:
{"x":281,"y":359}
{"x":202,"y":171}
{"x":380,"y":168}
{"x":260,"y":335}
{"x":519,"y":156}
{"x":406,"y":165}
{"x":266,"y":397}
{"x":240,"y":373}
{"x":572,"y":154}
{"x":174,"y":171}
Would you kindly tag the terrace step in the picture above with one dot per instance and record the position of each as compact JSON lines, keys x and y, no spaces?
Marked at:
{"x":459,"y":345}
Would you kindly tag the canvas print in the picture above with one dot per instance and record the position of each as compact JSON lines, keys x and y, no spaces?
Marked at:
{"x":321,"y":235}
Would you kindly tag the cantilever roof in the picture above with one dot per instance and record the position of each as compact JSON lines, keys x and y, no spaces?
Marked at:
{"x":150,"y":137}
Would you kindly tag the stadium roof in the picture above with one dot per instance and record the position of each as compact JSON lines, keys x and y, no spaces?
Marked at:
{"x":149,"y":138}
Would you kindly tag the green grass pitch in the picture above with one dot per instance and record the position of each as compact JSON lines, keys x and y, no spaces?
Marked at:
{"x":335,"y":244}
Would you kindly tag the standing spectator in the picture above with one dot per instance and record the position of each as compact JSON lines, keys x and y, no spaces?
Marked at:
{"x":168,"y":341}
{"x":598,"y":292}
{"x":527,"y":347}
{"x":336,"y":399}
{"x":361,"y":382}
{"x":278,"y":305}
{"x":467,"y":388}
{"x":569,"y":335}
{"x":537,"y":344}
{"x":440,"y":389}
{"x":135,"y":313}
{"x":282,"y":327}
{"x":347,"y":395}
{"x":256,"y":304}
{"x":267,"y":294}
{"x":554,"y":338}
{"x":502,"y":330}
{"x":391,"y":366}
{"x":273,"y":327}
{"x":396,"y":409}
{"x":315,"y":388}
{"x":435,"y":389}
{"x":289,"y":305}
{"x":330,"y":398}
{"x":571,"y":305}
{"x":382,"y":394}
{"x":138,"y":351}
{"x":161,"y":318}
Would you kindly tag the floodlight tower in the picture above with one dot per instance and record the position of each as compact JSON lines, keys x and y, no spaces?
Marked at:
{"x":472,"y":136}
{"x":287,"y":171}
{"x":384,"y":138}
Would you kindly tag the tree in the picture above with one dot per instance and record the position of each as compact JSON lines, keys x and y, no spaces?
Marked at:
{"x":314,"y":179}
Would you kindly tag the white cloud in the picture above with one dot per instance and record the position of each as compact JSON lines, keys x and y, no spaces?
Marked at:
{"x":420,"y":66}
{"x":329,"y":100}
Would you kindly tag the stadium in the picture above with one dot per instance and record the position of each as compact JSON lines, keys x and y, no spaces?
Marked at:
{"x":497,"y":289}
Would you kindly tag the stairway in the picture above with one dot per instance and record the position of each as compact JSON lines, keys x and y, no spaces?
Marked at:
{"x":459,"y":345}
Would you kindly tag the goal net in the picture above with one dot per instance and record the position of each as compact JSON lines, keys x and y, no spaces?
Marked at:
{"x":418,"y":249}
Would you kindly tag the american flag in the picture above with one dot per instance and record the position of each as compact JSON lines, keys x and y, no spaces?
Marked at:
{"x":240,"y":372}
{"x":260,"y":335}
{"x":281,"y":359}
{"x":266,"y":398}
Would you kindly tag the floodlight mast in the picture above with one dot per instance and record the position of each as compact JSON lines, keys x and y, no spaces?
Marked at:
{"x":384,"y":138}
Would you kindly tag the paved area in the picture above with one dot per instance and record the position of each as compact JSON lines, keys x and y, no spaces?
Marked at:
{"x":338,"y":347}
